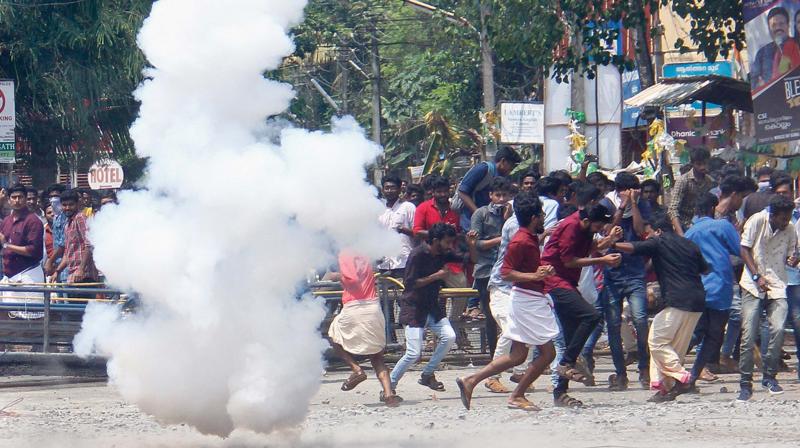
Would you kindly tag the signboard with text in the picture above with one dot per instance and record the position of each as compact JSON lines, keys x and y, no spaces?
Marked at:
{"x":772,"y":42}
{"x":8,"y":122}
{"x":106,"y":174}
{"x":689,"y":69}
{"x":522,"y":123}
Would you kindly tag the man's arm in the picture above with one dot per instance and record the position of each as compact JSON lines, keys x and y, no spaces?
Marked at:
{"x":607,"y":241}
{"x":425,"y":281}
{"x":673,"y":210}
{"x":513,"y":276}
{"x":467,"y":200}
{"x":50,"y":264}
{"x":747,"y":257}
{"x":638,"y":220}
{"x":611,"y":260}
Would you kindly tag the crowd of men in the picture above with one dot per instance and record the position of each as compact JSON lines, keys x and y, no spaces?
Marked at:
{"x":557,"y":261}
{"x":44,"y":239}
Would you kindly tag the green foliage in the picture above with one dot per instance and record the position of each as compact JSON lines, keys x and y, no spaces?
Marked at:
{"x":75,"y":67}
{"x":717,"y":26}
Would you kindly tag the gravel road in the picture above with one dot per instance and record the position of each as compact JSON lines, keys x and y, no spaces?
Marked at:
{"x":95,"y":415}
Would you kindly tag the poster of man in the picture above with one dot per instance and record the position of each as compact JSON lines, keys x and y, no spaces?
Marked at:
{"x":773,"y":40}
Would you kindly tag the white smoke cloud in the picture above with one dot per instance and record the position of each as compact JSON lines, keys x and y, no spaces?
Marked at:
{"x":227,"y":226}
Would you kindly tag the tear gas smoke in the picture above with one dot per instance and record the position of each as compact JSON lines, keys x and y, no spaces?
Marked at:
{"x":228,"y":224}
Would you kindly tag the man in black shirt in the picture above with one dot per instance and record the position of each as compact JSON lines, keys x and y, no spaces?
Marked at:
{"x":419,"y":306}
{"x":678,"y":263}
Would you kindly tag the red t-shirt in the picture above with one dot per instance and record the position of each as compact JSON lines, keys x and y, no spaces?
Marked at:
{"x":522,"y":255}
{"x":358,"y":280}
{"x":427,"y":214}
{"x":568,"y":241}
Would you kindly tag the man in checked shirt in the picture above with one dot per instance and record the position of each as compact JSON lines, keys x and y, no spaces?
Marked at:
{"x":77,"y":250}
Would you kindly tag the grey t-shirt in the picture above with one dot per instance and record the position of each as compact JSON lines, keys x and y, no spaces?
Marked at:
{"x":488,"y":222}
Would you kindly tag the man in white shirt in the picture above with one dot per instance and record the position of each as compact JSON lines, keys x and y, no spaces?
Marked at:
{"x":398,"y":216}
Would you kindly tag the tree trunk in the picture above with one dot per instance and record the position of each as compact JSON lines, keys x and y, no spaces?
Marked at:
{"x":487,"y":63}
{"x":644,"y":62}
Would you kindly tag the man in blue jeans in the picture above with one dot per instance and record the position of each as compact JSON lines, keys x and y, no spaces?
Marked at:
{"x":718,"y":240}
{"x":627,"y":281}
{"x":769,"y":243}
{"x":419,"y":306}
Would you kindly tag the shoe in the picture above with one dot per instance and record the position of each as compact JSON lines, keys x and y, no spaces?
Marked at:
{"x":745,"y":394}
{"x":707,"y":376}
{"x":661,"y":397}
{"x":644,"y":379}
{"x":617,"y":383}
{"x":728,"y":365}
{"x":632,"y":358}
{"x":382,"y":396}
{"x":772,"y":386}
{"x":431,"y":382}
{"x":495,"y":386}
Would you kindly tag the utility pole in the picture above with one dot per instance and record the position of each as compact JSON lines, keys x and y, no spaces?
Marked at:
{"x":577,"y":89}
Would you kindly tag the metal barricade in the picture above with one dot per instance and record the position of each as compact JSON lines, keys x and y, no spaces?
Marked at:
{"x":18,"y":328}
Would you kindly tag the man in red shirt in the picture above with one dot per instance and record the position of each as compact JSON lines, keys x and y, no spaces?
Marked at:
{"x":568,"y":251}
{"x":532,"y":321}
{"x":77,"y":259}
{"x":430,"y":212}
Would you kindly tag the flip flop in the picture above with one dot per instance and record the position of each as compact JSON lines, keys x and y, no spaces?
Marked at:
{"x":354,"y":380}
{"x":523,"y":405}
{"x":464,"y":399}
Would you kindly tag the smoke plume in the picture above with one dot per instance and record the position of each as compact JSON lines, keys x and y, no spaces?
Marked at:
{"x":229,"y":221}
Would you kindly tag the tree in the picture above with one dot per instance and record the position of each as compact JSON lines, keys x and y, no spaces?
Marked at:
{"x":75,"y":65}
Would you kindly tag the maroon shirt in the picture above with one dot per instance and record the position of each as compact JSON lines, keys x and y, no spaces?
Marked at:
{"x":22,"y":229}
{"x":568,"y":241}
{"x":522,"y":255}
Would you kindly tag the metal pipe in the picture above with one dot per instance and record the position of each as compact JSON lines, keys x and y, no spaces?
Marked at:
{"x":46,"y":336}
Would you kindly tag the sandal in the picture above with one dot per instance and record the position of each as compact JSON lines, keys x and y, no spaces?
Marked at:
{"x":523,"y":404}
{"x":565,"y":401}
{"x":465,"y":400}
{"x":571,"y":373}
{"x":392,"y":401}
{"x":354,"y":380}
{"x":495,"y":386}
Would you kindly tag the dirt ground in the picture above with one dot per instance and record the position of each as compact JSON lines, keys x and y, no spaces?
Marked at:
{"x":94,"y":415}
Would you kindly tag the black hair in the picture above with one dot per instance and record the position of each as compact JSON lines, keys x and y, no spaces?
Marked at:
{"x":685,"y":169}
{"x":779,"y":178}
{"x":596,"y":213}
{"x":626,"y":181}
{"x":17,"y":188}
{"x":562,"y":175}
{"x":764,"y":171}
{"x":534,"y":174}
{"x":780,"y":204}
{"x":426,"y":183}
{"x":31,"y":190}
{"x":731,"y":169}
{"x":500,"y":184}
{"x":509,"y":154}
{"x":733,"y":184}
{"x":586,"y":194}
{"x":595,"y":176}
{"x":415,"y":188}
{"x":526,"y":207}
{"x":565,"y":210}
{"x":56,"y":187}
{"x":715,"y":164}
{"x":548,"y":186}
{"x":705,"y":204}
{"x":699,"y":155}
{"x":778,"y":11}
{"x":751,"y":184}
{"x":436,"y":182}
{"x":392,"y":180}
{"x":651,"y":183}
{"x":440,"y":230}
{"x":660,"y":221}
{"x":70,"y":195}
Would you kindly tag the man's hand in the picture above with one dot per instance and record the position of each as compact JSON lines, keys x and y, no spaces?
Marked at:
{"x":615,"y":234}
{"x":472,"y":237}
{"x":625,"y":199}
{"x":612,"y":260}
{"x":635,"y":195}
{"x":2,"y":239}
{"x":544,"y":272}
{"x":440,"y":274}
{"x":763,"y":284}
{"x":792,"y":261}
{"x":49,"y":267}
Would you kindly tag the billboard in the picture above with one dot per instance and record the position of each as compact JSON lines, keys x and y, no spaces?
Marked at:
{"x":8,"y":122}
{"x":773,"y":42}
{"x":522,"y":123}
{"x":631,"y":85}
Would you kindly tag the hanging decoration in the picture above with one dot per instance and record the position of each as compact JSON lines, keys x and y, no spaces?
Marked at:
{"x":578,"y":142}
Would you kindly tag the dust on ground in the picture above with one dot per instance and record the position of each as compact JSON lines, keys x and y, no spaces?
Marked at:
{"x":95,"y":415}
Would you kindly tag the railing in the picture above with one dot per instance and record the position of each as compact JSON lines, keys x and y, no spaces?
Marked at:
{"x":68,"y":309}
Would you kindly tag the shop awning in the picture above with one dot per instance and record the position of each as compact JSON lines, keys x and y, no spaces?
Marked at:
{"x":727,"y":92}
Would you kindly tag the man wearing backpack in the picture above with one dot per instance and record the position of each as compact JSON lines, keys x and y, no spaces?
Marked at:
{"x":473,"y":191}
